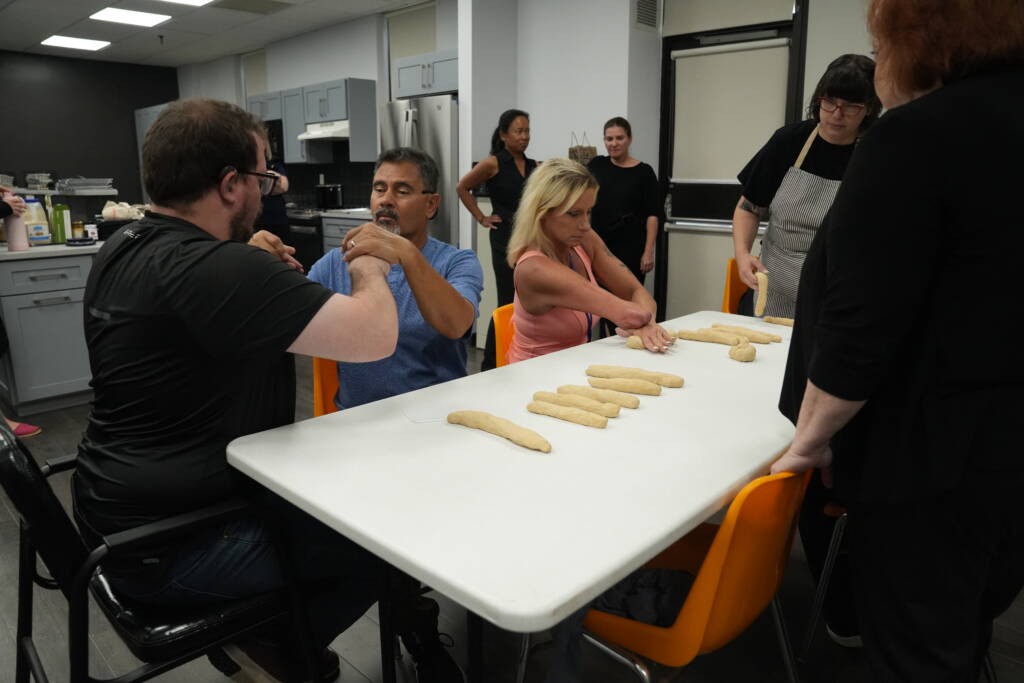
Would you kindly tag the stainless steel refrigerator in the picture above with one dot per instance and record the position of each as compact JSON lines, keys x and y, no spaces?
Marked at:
{"x":430,"y":124}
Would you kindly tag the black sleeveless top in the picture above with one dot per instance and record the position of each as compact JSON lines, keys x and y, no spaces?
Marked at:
{"x":506,"y":187}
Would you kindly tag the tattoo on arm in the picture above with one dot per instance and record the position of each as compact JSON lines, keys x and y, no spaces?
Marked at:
{"x":749,"y":207}
{"x":609,"y":254}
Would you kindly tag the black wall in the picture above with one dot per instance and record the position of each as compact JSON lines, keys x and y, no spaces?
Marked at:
{"x":76,"y":117}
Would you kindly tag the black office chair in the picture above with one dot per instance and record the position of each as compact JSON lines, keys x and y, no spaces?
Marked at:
{"x":163,"y":638}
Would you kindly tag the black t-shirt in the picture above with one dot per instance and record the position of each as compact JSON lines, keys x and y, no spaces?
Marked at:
{"x":916,"y":251}
{"x":506,"y":187}
{"x":187,"y":337}
{"x":763,"y":174}
{"x":626,"y":198}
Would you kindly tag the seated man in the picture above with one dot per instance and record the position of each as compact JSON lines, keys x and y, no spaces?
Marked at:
{"x":436,"y":289}
{"x":190,"y":333}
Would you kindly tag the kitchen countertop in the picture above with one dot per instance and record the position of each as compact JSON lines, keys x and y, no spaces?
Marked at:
{"x":361,"y":213}
{"x":48,"y":251}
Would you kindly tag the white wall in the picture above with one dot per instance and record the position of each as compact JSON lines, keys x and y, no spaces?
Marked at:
{"x":834,"y":27}
{"x":343,"y":50}
{"x":447,"y":24}
{"x":643,"y":96}
{"x":220,"y":79}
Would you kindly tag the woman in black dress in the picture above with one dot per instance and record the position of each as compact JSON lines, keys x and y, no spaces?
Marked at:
{"x":918,"y":422}
{"x":505,"y":171}
{"x":627,"y":212}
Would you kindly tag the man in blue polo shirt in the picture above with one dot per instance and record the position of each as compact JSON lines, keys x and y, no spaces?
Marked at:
{"x":437,"y":292}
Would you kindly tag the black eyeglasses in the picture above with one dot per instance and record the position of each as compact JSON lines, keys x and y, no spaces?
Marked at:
{"x":829,"y":106}
{"x":267,"y":180}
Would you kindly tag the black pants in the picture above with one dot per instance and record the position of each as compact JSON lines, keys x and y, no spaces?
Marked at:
{"x":506,"y":288}
{"x":815,"y":534}
{"x":930,"y":576}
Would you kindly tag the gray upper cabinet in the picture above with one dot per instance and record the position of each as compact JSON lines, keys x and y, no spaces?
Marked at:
{"x":266,"y":106}
{"x":427,"y":74}
{"x":293,"y":122}
{"x":326,"y":101}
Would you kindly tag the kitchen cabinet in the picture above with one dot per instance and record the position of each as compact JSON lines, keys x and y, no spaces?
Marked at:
{"x":266,"y":106}
{"x":326,"y":101}
{"x":41,"y":293}
{"x":335,"y":230}
{"x":293,"y":122}
{"x":427,"y":74}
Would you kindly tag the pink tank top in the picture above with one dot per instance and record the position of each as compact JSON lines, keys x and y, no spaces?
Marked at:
{"x":559,"y":328}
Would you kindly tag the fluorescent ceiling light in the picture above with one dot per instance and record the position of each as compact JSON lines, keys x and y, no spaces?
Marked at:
{"x":127,"y":16}
{"x":194,"y":3}
{"x":76,"y":43}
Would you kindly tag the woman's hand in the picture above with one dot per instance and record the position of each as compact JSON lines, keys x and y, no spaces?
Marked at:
{"x":655,"y":337}
{"x":647,"y":261}
{"x":748,"y":264}
{"x":490,"y":222}
{"x":802,"y":459}
{"x":269,"y":242}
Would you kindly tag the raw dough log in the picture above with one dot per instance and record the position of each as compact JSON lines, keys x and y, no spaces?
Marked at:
{"x":665,"y":379}
{"x":743,"y":352}
{"x":706,"y":334}
{"x":575,"y":401}
{"x":762,"y":293}
{"x":788,"y":322}
{"x":605,"y":395}
{"x":752,"y":335}
{"x":569,"y":414}
{"x":635,"y":342}
{"x":478,"y":419}
{"x":632,"y":386}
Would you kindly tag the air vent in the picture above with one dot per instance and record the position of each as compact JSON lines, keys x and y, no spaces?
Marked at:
{"x":254,"y":6}
{"x":646,"y":14}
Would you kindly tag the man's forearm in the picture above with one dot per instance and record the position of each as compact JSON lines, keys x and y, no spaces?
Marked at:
{"x":440,"y":304}
{"x":370,"y":289}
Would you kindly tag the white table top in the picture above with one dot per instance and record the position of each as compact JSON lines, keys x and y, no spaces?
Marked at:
{"x":520,"y":537}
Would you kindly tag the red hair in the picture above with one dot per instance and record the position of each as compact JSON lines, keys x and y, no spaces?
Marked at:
{"x":927,"y":42}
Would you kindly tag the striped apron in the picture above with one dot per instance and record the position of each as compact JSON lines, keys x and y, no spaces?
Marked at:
{"x":794,"y":216}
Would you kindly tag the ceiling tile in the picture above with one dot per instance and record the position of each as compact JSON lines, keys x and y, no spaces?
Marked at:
{"x":25,"y":23}
{"x":212,"y":20}
{"x":103,"y":30}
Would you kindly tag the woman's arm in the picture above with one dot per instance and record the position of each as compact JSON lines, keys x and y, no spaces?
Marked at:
{"x":647,"y":260}
{"x":479,"y":174}
{"x":745,"y":221}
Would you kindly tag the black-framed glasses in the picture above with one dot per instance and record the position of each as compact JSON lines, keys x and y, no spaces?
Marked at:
{"x":850,"y":109}
{"x":267,"y":180}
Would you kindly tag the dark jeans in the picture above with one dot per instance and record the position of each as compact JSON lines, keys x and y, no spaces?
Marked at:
{"x":338,"y":579}
{"x":931,"y":575}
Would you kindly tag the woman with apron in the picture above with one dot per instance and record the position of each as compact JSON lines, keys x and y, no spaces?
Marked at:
{"x":792,"y":182}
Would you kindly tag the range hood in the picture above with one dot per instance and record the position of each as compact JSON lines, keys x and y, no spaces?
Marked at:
{"x":330,"y":130}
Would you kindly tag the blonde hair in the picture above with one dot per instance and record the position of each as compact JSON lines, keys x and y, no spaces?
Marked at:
{"x":555,"y":186}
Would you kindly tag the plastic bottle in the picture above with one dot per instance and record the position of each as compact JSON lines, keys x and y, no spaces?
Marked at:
{"x":60,"y":220}
{"x":17,"y":238}
{"x":35,"y":222}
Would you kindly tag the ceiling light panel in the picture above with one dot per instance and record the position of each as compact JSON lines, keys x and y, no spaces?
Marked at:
{"x":127,"y":16}
{"x":76,"y":43}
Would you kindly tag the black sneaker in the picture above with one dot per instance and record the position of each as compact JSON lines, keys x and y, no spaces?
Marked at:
{"x":417,"y":625}
{"x":259,"y":660}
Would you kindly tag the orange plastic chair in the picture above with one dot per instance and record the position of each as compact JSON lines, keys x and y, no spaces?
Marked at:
{"x":325,"y":386}
{"x":738,"y":568}
{"x":734,"y":288}
{"x":503,"y":331}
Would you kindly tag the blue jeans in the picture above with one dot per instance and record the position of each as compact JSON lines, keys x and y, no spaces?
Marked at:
{"x":338,"y":579}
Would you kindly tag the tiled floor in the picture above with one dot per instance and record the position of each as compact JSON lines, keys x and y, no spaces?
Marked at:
{"x":754,"y":656}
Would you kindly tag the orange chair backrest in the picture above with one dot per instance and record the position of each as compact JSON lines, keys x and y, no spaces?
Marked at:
{"x":503,"y":331}
{"x":744,"y":566}
{"x":325,"y":386}
{"x":734,"y":288}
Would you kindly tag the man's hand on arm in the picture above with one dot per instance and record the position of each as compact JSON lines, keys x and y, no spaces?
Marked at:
{"x":269,"y":242}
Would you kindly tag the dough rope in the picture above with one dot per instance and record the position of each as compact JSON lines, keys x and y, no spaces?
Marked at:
{"x":788,"y":322}
{"x":569,"y":414}
{"x":605,"y":395}
{"x":499,"y":426}
{"x":632,"y":386}
{"x":762,"y":293}
{"x":576,"y":401}
{"x":753,"y":335}
{"x":706,"y":334}
{"x":665,"y":379}
{"x":743,"y":352}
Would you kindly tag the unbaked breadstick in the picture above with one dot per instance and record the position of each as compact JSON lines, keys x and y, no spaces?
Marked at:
{"x":635,"y":342}
{"x":632,"y":386}
{"x":521,"y":436}
{"x":569,"y":414}
{"x":762,"y":293}
{"x":706,"y":334}
{"x":575,"y":401}
{"x":605,"y":395}
{"x":752,"y":335}
{"x":743,"y":352}
{"x":665,"y":379}
{"x":788,"y":322}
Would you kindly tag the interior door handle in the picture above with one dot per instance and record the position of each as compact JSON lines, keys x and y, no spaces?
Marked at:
{"x":423,"y":75}
{"x":430,"y":76}
{"x":52,"y":301}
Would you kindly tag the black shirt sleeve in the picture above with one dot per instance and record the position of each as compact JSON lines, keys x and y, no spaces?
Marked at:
{"x":763,"y":174}
{"x":241,"y":301}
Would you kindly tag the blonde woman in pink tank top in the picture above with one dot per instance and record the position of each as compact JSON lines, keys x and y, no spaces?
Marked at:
{"x":565,"y":277}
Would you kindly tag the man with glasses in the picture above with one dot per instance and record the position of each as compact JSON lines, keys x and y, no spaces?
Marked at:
{"x":190,"y":333}
{"x":437,"y":291}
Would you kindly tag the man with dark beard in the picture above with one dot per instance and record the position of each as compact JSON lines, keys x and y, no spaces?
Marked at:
{"x":190,"y":333}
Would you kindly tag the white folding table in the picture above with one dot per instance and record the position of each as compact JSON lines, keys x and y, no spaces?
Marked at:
{"x":519,"y":537}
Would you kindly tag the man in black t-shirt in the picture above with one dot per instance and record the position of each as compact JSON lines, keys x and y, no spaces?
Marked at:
{"x":190,"y":333}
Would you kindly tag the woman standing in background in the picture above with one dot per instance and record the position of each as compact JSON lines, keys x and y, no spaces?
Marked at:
{"x":505,"y":171}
